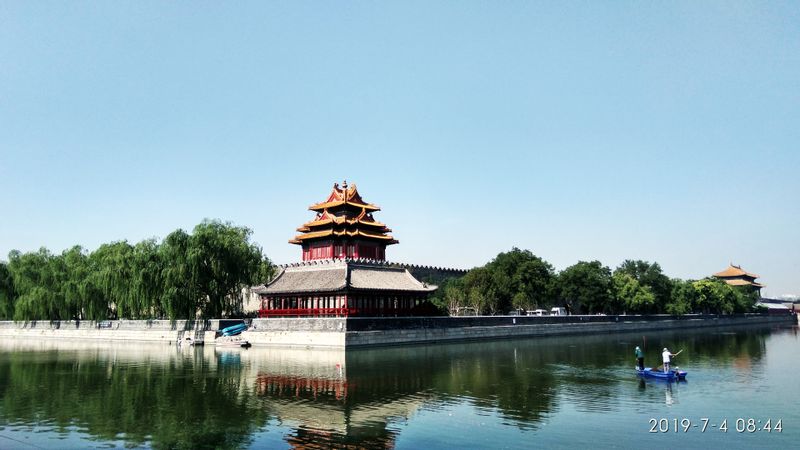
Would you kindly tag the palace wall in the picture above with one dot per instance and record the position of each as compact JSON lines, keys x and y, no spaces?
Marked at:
{"x":385,"y":331}
{"x":112,"y":330}
{"x":365,"y":332}
{"x":434,"y":275}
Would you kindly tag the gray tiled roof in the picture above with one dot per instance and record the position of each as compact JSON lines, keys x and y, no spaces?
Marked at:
{"x":307,"y":279}
{"x":385,"y":278}
{"x":337,"y":275}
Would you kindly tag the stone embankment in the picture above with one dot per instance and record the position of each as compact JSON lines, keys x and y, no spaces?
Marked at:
{"x":382,"y":331}
{"x":365,"y":332}
{"x":113,"y":330}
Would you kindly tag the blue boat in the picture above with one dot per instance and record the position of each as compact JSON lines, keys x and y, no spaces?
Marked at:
{"x":672,"y":375}
{"x":233,"y":330}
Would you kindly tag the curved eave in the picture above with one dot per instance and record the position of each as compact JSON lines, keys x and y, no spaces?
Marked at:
{"x":388,"y":239}
{"x":343,"y":221}
{"x":321,"y":206}
{"x":734,"y":271}
{"x":744,"y":283}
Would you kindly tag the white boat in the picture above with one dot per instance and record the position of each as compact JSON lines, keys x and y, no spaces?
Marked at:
{"x":231,"y":341}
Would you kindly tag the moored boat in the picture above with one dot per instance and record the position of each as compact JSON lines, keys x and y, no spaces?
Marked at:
{"x":233,"y":330}
{"x":232,"y":341}
{"x":672,"y":375}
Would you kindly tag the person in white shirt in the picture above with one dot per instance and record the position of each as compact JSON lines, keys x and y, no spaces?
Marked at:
{"x":665,"y":356}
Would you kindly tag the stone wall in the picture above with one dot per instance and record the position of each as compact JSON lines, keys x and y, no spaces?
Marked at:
{"x":111,"y":330}
{"x":298,"y":332}
{"x":433,"y":329}
{"x":379,"y":331}
{"x":362,"y":332}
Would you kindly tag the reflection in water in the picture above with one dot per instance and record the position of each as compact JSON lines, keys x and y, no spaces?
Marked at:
{"x":155,"y":394}
{"x":171,"y":397}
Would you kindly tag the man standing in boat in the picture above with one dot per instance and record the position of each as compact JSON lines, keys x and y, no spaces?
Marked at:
{"x":639,"y":358}
{"x":665,"y":356}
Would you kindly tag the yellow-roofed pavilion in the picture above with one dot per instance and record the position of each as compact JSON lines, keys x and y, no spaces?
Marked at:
{"x":344,"y":228}
{"x":736,"y":276}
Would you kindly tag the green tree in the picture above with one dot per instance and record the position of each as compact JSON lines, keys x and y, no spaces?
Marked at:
{"x":533,"y":284}
{"x":717,"y":297}
{"x":480,"y":292}
{"x":76,"y":287}
{"x":146,"y":283}
{"x":683,"y":299}
{"x":632,"y":296}
{"x":6,"y":293}
{"x":520,"y":280}
{"x":37,"y":278}
{"x":586,"y":287}
{"x":179,"y":295}
{"x":649,"y":275}
{"x":112,"y":275}
{"x":223,"y":261}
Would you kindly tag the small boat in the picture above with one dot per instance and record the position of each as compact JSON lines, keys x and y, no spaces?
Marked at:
{"x":232,"y":341}
{"x":189,"y":342}
{"x":233,"y":330}
{"x":672,"y":375}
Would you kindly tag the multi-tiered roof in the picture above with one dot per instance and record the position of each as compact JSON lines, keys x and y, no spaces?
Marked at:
{"x":736,"y":276}
{"x":344,"y":218}
{"x":344,"y":270}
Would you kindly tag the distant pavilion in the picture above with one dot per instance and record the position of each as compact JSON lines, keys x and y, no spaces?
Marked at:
{"x":735,"y":276}
{"x":343,"y":270}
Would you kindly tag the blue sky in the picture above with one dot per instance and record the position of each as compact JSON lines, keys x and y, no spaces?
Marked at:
{"x":578,"y":130}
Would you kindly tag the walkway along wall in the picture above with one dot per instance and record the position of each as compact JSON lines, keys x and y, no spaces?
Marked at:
{"x":378,"y":331}
{"x":113,"y":330}
{"x":381,"y":331}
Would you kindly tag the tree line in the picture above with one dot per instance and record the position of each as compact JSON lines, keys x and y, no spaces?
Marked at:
{"x":184,"y":276}
{"x":520,"y":280}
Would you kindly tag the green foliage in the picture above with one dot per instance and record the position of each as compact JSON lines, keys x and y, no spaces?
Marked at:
{"x":682,"y":299}
{"x":631,"y":295}
{"x":186,"y":275}
{"x":38,"y":278}
{"x":648,"y":275}
{"x":6,"y":293}
{"x":179,"y":294}
{"x":112,"y":275}
{"x":200,"y":403}
{"x":710,"y":296}
{"x":223,"y":261}
{"x":717,"y":297}
{"x":202,"y":275}
{"x":587,"y":287}
{"x":515,"y":279}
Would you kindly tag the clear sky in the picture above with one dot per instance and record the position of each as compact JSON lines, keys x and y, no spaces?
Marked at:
{"x":612,"y":130}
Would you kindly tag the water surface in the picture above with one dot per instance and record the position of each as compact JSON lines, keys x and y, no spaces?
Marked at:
{"x":557,"y":392}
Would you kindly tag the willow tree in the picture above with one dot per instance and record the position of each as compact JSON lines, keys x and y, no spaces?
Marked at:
{"x":37,"y":277}
{"x":223,"y":261}
{"x":76,"y":287}
{"x":146,"y":284}
{"x":112,"y":272}
{"x":6,"y":293}
{"x":179,"y":295}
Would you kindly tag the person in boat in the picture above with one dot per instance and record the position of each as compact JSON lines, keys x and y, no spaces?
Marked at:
{"x":665,"y":356}
{"x":639,"y":358}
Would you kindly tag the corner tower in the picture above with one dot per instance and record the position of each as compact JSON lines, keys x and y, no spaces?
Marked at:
{"x":344,"y":228}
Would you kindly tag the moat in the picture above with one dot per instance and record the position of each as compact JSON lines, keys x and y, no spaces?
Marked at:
{"x":551,"y":392}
